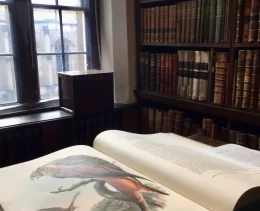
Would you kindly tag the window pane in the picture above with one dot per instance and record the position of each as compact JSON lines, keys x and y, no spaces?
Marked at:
{"x":48,"y":67}
{"x":7,"y":80}
{"x":48,"y":2}
{"x":47,"y":31}
{"x":74,"y":31}
{"x":72,"y":3}
{"x":5,"y":34}
{"x":75,"y":62}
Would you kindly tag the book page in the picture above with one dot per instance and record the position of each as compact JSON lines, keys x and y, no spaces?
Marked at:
{"x":183,"y":165}
{"x":239,"y":153}
{"x":83,"y":179}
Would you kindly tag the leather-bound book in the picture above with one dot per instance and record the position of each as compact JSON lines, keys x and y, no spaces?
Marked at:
{"x":149,"y":24}
{"x":167,"y":75}
{"x":142,"y":70}
{"x":147,"y":71}
{"x":253,"y":142}
{"x":171,"y":120}
{"x":204,"y":123}
{"x":166,"y":23}
{"x":202,"y":19}
{"x":247,"y":14}
{"x":258,"y":36}
{"x":162,"y":19}
{"x":170,"y":79}
{"x":214,"y":132}
{"x":187,"y":127}
{"x":174,"y":24}
{"x":212,"y":20}
{"x":240,"y":78}
{"x":180,"y":73}
{"x":224,"y":134}
{"x":233,"y":136}
{"x":240,"y":20}
{"x":158,"y":72}
{"x":191,"y":69}
{"x":158,"y":121}
{"x":171,"y":23}
{"x":206,"y":21}
{"x":165,"y":128}
{"x":142,"y":24}
{"x":188,"y":21}
{"x":234,"y":84}
{"x":178,"y":126}
{"x":209,"y":124}
{"x":157,"y":24}
{"x":185,"y":74}
{"x":226,"y":22}
{"x":162,"y":75}
{"x":145,"y":24}
{"x":183,"y":21}
{"x":153,"y":72}
{"x":153,"y":24}
{"x":255,"y":80}
{"x":193,"y":21}
{"x":198,"y":20}
{"x":219,"y":20}
{"x":196,"y":76}
{"x":248,"y":79}
{"x":151,"y":120}
{"x":179,"y":22}
{"x":253,"y":26}
{"x":220,"y":78}
{"x":204,"y":73}
{"x":175,"y":73}
{"x":145,"y":122}
{"x":242,"y":139}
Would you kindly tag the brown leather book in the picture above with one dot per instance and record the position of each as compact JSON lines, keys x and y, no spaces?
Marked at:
{"x":191,"y":67}
{"x":180,"y":73}
{"x":170,"y":79}
{"x":224,"y":134}
{"x":220,"y":78}
{"x":258,"y":37}
{"x":174,"y":24}
{"x":171,"y":23}
{"x":233,"y":136}
{"x":253,"y":142}
{"x":214,"y":132}
{"x":187,"y":127}
{"x":240,"y":78}
{"x":226,"y":22}
{"x":179,"y":22}
{"x":147,"y":70}
{"x":171,"y":120}
{"x":153,"y":26}
{"x":145,"y":118}
{"x":153,"y":74}
{"x":162,"y":19}
{"x":206,"y":18}
{"x":149,"y":24}
{"x":185,"y":74}
{"x":167,"y":75}
{"x":151,"y":120}
{"x":162,"y":75}
{"x":242,"y":139}
{"x":157,"y":24}
{"x":248,"y":79}
{"x":255,"y":80}
{"x":193,"y":21}
{"x":166,"y":23}
{"x":142,"y":24}
{"x":198,"y":23}
{"x":165,"y":127}
{"x":145,"y":25}
{"x":253,"y":25}
{"x":209,"y":124}
{"x":158,"y":72}
{"x":188,"y":21}
{"x":178,"y":126}
{"x":246,"y":26}
{"x":175,"y":73}
{"x":204,"y":76}
{"x":158,"y":121}
{"x":240,"y":20}
{"x":202,"y":20}
{"x":183,"y":21}
{"x":234,"y":84}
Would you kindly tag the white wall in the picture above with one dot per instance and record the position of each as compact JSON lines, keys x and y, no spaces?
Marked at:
{"x":118,"y":46}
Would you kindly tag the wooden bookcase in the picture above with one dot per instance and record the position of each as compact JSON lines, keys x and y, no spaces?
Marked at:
{"x":207,"y":108}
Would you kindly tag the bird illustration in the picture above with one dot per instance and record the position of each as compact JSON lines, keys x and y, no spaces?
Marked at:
{"x":97,"y":169}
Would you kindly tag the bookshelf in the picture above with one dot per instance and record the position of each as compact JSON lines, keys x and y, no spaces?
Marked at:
{"x":232,"y":48}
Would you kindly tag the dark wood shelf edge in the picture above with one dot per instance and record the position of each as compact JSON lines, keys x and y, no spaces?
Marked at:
{"x":247,"y":45}
{"x":204,"y":108}
{"x":188,"y":45}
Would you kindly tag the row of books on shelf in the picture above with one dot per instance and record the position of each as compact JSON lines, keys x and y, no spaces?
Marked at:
{"x":203,"y":76}
{"x":196,"y":21}
{"x":173,"y":121}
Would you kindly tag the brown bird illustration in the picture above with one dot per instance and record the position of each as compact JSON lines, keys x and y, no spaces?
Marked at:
{"x":97,"y":169}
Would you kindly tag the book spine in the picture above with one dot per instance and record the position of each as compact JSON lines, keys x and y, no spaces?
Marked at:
{"x":165,"y":128}
{"x":226,"y":22}
{"x":171,"y":120}
{"x":166,"y":75}
{"x":151,"y":120}
{"x":178,"y":126}
{"x":233,"y":136}
{"x":242,"y":139}
{"x":179,"y":22}
{"x":175,"y":73}
{"x":219,"y":19}
{"x":152,"y":25}
{"x":142,"y":25}
{"x":255,"y":80}
{"x":234,"y":84}
{"x":240,"y":78}
{"x":258,"y":36}
{"x":185,"y":74}
{"x":204,"y":72}
{"x":180,"y":78}
{"x":214,"y":132}
{"x":247,"y":20}
{"x":158,"y":121}
{"x":188,"y":21}
{"x":162,"y":81}
{"x":153,"y":72}
{"x":202,"y":20}
{"x":193,"y":21}
{"x":191,"y":68}
{"x":166,"y":23}
{"x":149,"y":25}
{"x":253,"y":25}
{"x":206,"y":22}
{"x":196,"y":76}
{"x":145,"y":25}
{"x":253,"y":142}
{"x":174,"y":24}
{"x":147,"y":71}
{"x":142,"y":70}
{"x":212,"y":20}
{"x":183,"y":21}
{"x":209,"y":124}
{"x":199,"y":15}
{"x":171,"y":23}
{"x":240,"y":20}
{"x":158,"y":73}
{"x":162,"y":19}
{"x":171,"y":74}
{"x":157,"y":24}
{"x":187,"y":127}
{"x":247,"y":79}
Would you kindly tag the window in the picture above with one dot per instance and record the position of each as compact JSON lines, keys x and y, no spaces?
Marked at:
{"x":38,"y":39}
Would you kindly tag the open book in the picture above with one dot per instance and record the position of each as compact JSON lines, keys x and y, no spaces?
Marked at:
{"x":131,"y":172}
